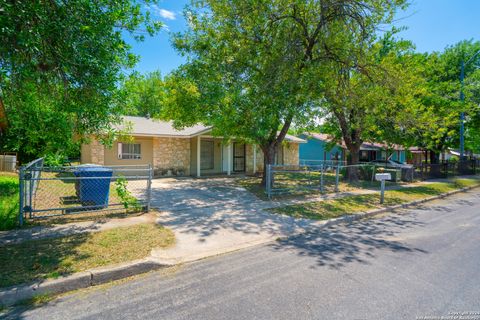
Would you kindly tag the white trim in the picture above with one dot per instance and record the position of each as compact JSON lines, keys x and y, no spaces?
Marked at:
{"x":198,"y":156}
{"x":229,"y":166}
{"x":119,"y":150}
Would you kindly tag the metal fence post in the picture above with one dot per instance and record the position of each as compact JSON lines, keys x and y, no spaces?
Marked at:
{"x":149,"y":187}
{"x":337,"y":177}
{"x":21,"y":193}
{"x":30,"y":194}
{"x":382,"y":191}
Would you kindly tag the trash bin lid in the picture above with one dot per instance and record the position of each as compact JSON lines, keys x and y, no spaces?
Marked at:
{"x":92,"y":168}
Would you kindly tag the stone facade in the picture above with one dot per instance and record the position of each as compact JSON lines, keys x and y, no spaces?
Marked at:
{"x":288,"y":155}
{"x":171,"y":154}
{"x":97,"y":152}
{"x":249,"y":159}
{"x":291,"y":153}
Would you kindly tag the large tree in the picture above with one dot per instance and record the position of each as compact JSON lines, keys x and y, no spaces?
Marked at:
{"x":255,"y":66}
{"x":368,"y":94}
{"x":60,"y":65}
{"x":437,"y":112}
{"x":144,"y":95}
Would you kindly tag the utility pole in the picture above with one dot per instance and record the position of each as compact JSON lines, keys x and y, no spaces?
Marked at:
{"x":462,"y":114}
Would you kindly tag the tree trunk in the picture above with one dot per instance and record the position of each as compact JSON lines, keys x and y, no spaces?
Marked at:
{"x":269,"y":152}
{"x":435,"y":167}
{"x":433,"y":157}
{"x":354,"y":159}
{"x":269,"y":147}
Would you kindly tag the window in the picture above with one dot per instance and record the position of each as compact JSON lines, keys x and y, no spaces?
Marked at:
{"x":206,"y":155}
{"x":364,"y":156}
{"x":129,"y":151}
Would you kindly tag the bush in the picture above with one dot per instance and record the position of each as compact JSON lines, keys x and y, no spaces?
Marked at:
{"x":55,"y":160}
{"x":364,"y":173}
{"x":126,"y":198}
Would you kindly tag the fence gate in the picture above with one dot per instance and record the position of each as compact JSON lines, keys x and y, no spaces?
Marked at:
{"x":53,"y":191}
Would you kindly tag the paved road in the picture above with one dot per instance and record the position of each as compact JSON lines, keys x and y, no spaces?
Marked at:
{"x":423,"y":262}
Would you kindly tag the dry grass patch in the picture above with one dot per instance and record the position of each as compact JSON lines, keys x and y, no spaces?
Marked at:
{"x":51,"y":258}
{"x":298,"y":186}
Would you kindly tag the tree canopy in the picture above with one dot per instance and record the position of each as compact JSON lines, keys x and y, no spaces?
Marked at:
{"x":437,"y":113}
{"x":60,"y":65}
{"x":144,"y":95}
{"x":255,"y":67}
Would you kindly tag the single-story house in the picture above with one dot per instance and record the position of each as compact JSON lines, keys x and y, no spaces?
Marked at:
{"x":380,"y":151}
{"x":419,"y":155}
{"x":190,"y":151}
{"x":319,"y":147}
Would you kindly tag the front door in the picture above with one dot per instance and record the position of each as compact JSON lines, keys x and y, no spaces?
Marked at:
{"x":238,"y":157}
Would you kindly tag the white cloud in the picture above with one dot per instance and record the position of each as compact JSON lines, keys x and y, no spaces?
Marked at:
{"x":166,"y":14}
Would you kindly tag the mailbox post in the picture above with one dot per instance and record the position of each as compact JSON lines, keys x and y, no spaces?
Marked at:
{"x":382,"y":177}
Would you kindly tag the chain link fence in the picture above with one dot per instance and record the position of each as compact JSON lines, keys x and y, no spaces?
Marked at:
{"x":324,"y":178}
{"x":447,"y":169}
{"x":333,"y":176}
{"x":53,"y":191}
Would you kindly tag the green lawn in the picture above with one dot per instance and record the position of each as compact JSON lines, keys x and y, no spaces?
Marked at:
{"x":8,"y":201}
{"x":51,"y":258}
{"x":53,"y":194}
{"x":322,"y":210}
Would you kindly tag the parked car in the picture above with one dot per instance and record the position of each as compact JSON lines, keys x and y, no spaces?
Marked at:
{"x":392,"y":164}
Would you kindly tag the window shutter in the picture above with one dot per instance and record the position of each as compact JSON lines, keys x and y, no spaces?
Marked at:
{"x":119,"y":150}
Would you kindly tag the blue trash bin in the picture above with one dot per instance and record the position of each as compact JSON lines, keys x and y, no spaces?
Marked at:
{"x":90,"y":191}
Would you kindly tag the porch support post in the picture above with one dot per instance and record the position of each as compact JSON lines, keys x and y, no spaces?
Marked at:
{"x":254,"y":158}
{"x":229,"y":157}
{"x":198,"y":156}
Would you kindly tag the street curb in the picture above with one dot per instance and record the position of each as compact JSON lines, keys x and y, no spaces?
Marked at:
{"x":80,"y":280}
{"x":85,"y":279}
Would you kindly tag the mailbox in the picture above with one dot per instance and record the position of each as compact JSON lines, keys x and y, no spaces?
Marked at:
{"x":383,"y":176}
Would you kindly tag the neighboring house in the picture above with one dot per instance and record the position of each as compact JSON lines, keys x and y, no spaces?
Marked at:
{"x":319,"y":147}
{"x":419,"y":155}
{"x":380,"y":151}
{"x":191,"y":151}
{"x":450,"y":154}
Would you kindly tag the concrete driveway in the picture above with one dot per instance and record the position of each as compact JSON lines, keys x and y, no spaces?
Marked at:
{"x":214,"y":215}
{"x":173,"y":194}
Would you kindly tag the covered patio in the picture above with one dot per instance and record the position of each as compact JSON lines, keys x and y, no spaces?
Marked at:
{"x":212,"y":155}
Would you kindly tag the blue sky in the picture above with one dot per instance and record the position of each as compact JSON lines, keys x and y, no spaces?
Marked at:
{"x":432,"y":25}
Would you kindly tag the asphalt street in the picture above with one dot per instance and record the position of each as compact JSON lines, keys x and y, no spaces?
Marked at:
{"x":416,"y":263}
